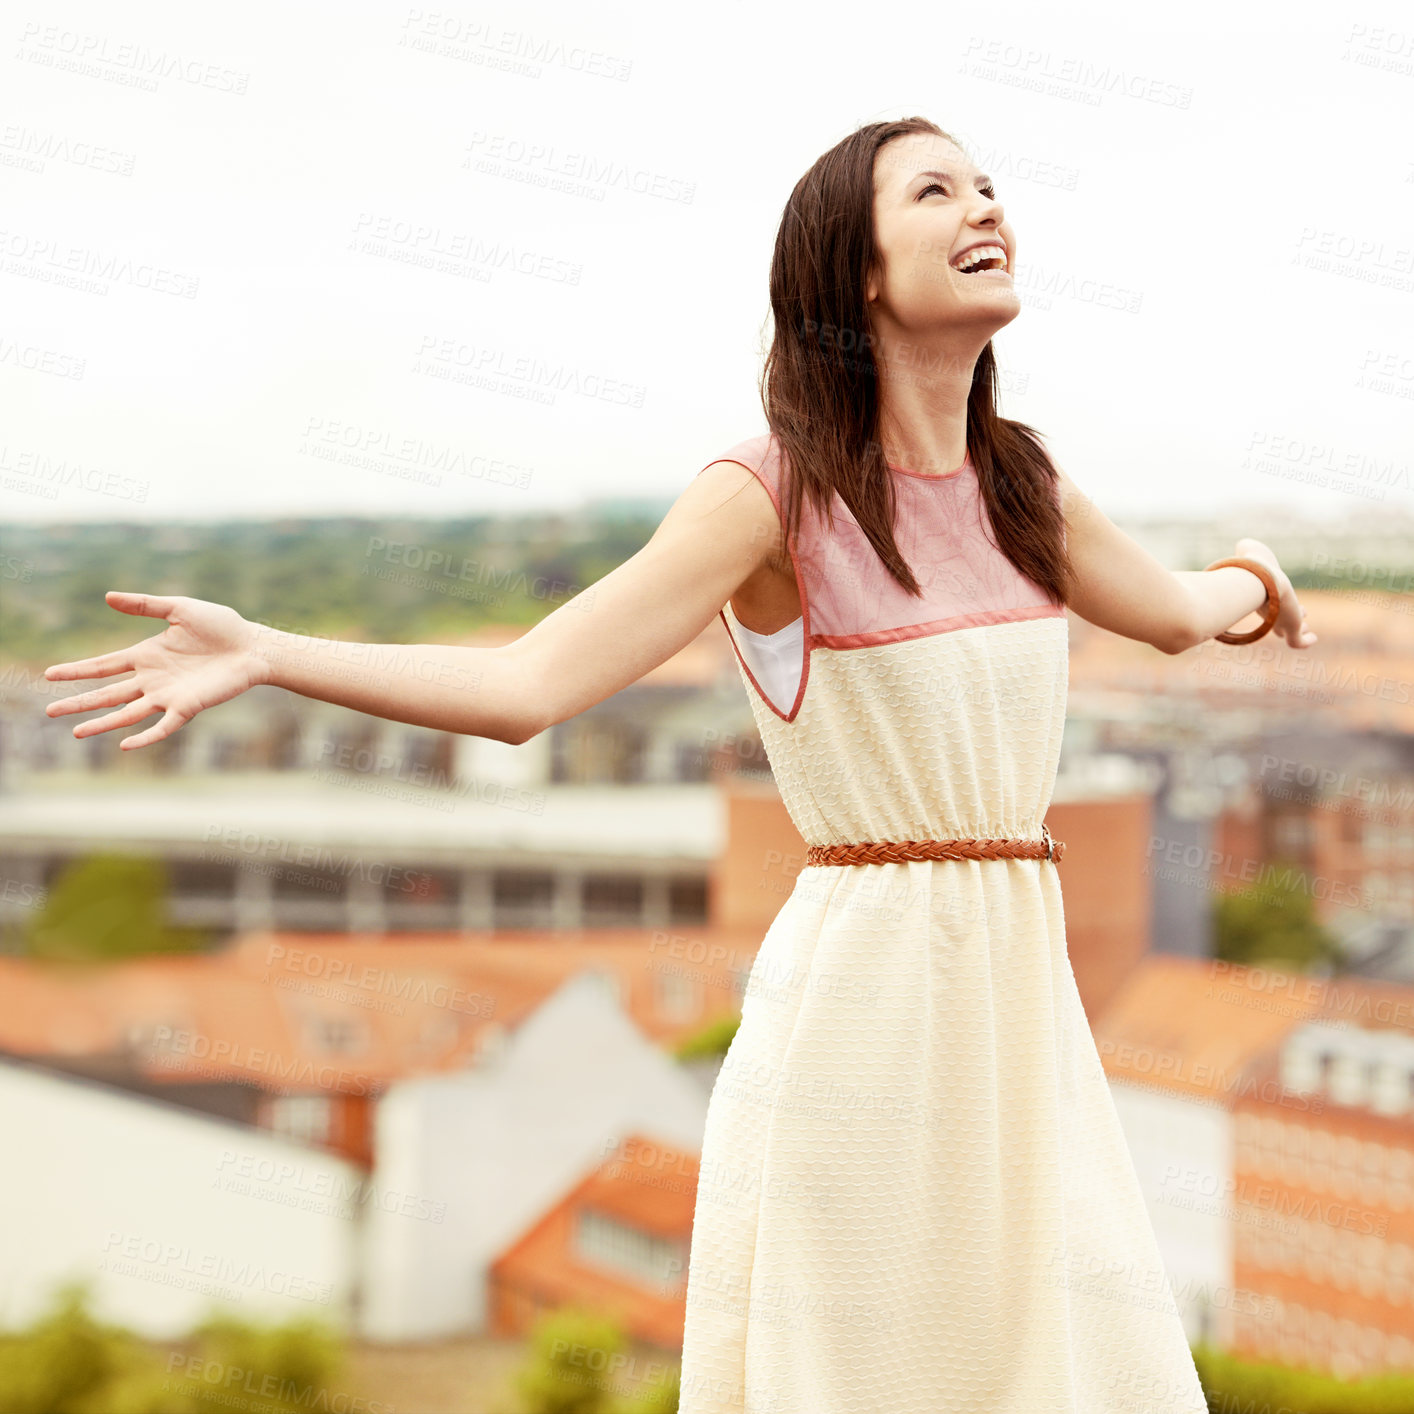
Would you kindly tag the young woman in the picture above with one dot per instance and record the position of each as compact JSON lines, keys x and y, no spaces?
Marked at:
{"x":915,"y":1194}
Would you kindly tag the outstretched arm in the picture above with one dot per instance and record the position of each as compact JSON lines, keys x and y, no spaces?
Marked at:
{"x":1120,"y":586}
{"x":719,"y":531}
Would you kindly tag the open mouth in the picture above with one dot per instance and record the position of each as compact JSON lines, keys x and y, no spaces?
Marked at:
{"x":981,"y":261}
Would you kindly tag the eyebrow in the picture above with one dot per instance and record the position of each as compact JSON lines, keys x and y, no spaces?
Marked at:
{"x":982,"y":178}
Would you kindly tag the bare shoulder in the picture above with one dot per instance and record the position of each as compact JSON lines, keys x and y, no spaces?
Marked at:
{"x":1068,"y":489}
{"x":714,"y":538}
{"x":1076,"y":506}
{"x":729,"y":503}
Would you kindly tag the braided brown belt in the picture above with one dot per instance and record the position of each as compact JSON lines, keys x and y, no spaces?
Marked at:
{"x":901,"y":851}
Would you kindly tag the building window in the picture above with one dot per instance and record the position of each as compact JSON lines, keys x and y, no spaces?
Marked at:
{"x":158,"y":1038}
{"x":1399,"y":1269}
{"x":1404,"y":895}
{"x":1401,"y":1177}
{"x":440,"y":1032}
{"x":300,"y":883}
{"x":1241,"y":1242}
{"x":1292,"y":834}
{"x":304,"y":1117}
{"x":1316,"y":1263}
{"x":425,"y":888}
{"x":612,"y":900}
{"x":196,"y":878}
{"x":1374,"y":1155}
{"x":687,"y":900}
{"x":605,"y":1242}
{"x":523,"y":899}
{"x":337,"y":1035}
{"x":678,"y":997}
{"x":1264,"y":1250}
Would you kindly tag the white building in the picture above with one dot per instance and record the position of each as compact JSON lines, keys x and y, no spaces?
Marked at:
{"x":172,"y":1214}
{"x":168,"y":1213}
{"x":493,"y":1148}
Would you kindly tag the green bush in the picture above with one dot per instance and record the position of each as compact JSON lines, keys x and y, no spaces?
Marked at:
{"x":579,"y":1365}
{"x":572,"y":1355}
{"x":259,"y":1369}
{"x":67,"y":1362}
{"x":1236,"y":1386}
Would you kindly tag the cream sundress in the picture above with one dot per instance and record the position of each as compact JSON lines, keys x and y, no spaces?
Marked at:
{"x":915,"y":1195}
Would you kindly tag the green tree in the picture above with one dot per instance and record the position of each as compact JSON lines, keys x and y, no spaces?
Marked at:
{"x":713,"y":1039}
{"x":106,"y":907}
{"x":1273,"y":921}
{"x":661,"y":1398}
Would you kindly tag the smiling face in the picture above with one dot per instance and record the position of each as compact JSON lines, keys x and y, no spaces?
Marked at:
{"x":931,"y":205}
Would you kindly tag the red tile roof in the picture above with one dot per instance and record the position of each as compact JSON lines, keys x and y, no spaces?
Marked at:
{"x":1355,"y":675}
{"x":645,"y":1185}
{"x":348,"y":1012}
{"x":1193,"y":1026}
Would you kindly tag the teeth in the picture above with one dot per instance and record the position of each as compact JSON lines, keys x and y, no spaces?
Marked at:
{"x":984,"y":252}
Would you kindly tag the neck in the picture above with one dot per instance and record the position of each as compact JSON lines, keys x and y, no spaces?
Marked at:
{"x":923,"y":392}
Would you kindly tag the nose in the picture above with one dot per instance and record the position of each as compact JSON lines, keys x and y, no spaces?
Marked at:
{"x":991,"y":211}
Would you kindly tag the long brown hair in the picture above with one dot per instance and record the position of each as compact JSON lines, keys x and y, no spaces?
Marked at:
{"x":820,"y":382}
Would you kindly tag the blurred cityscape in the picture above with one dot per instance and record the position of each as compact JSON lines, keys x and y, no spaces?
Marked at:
{"x":417,"y":1031}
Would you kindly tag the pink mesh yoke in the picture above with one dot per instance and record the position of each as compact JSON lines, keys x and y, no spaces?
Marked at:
{"x":849,"y":598}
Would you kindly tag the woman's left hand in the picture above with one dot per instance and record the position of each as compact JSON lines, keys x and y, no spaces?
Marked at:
{"x":1291,"y":617}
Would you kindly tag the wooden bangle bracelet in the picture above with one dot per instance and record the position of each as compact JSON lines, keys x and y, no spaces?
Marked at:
{"x":1270,"y":609}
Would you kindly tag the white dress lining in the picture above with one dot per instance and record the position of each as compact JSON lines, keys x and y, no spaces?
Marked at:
{"x":776,"y":659}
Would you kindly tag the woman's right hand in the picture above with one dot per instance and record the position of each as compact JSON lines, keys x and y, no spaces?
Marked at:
{"x":204,"y":656}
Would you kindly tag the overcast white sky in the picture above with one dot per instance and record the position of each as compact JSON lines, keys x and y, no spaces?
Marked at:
{"x":253,"y":193}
